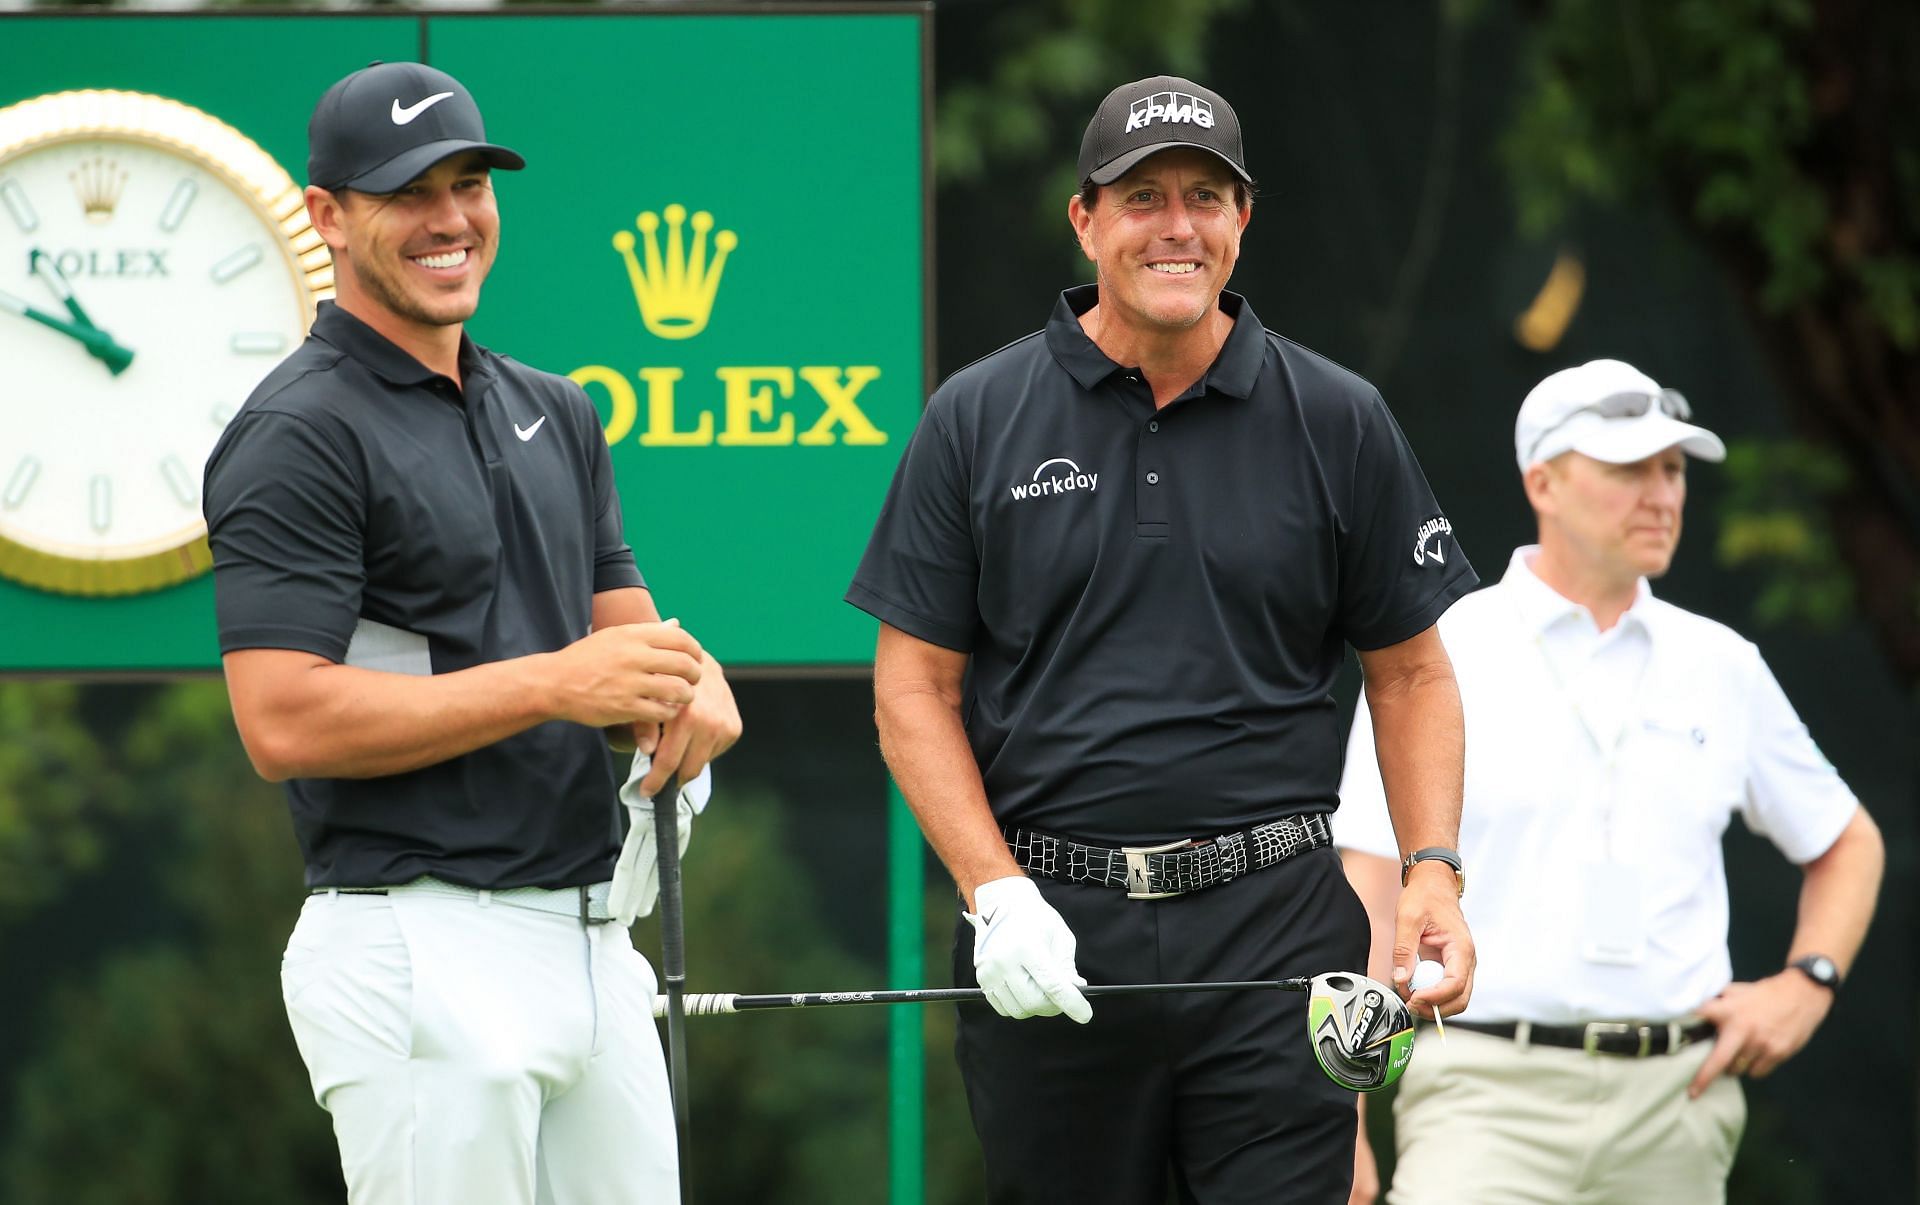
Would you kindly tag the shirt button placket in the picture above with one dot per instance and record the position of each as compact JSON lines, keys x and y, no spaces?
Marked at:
{"x":1150,"y":495}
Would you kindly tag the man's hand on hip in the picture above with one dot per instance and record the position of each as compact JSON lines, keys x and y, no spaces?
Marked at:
{"x":1023,"y":952}
{"x":1428,"y":917}
{"x":1761,"y":1024}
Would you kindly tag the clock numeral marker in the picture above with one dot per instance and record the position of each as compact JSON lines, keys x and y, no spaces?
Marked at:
{"x":24,"y":475}
{"x":255,"y":342}
{"x":236,"y":263}
{"x":222,"y":414}
{"x":100,"y":503}
{"x":15,"y":199}
{"x":177,"y":205}
{"x":179,"y":480}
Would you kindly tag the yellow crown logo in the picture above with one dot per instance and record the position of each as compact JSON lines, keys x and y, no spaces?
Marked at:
{"x":98,"y":184}
{"x":675,"y":293}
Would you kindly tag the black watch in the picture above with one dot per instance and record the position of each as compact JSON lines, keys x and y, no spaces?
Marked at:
{"x":1820,"y":969}
{"x":1437,"y":853}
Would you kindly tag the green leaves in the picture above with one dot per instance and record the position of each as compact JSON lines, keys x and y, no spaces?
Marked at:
{"x":56,"y":793}
{"x":1706,"y":101}
{"x":1044,"y":66}
{"x":1773,"y":521}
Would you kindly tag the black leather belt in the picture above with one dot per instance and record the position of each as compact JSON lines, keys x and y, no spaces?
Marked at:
{"x":1153,"y":872}
{"x":1628,"y":1039}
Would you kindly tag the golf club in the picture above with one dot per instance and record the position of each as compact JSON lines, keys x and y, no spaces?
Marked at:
{"x":1360,"y":1030}
{"x":673,"y":963}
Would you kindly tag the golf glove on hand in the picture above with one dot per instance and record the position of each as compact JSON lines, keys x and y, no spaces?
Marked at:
{"x":636,"y":876}
{"x":1023,"y":952}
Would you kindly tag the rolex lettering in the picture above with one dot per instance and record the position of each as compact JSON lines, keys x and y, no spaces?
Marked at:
{"x":676,"y":285}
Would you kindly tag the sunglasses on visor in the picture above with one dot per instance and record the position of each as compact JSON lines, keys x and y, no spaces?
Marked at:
{"x":1621,"y":405}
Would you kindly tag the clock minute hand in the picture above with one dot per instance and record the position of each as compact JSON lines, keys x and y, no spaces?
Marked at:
{"x":98,"y":343}
{"x":43,"y":265}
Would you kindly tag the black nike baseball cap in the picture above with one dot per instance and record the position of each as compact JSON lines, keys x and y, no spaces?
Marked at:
{"x":388,"y":122}
{"x":1158,"y":114}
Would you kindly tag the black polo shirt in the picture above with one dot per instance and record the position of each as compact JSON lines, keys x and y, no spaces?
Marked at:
{"x":358,"y":484}
{"x":1154,"y":603}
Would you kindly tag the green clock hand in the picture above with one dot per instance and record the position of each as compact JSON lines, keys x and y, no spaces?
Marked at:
{"x":98,"y":343}
{"x":43,"y":264}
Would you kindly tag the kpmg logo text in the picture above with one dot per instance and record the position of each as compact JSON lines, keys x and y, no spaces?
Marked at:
{"x":1169,"y":106}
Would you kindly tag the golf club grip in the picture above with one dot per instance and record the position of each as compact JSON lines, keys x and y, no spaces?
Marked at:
{"x":713,"y":1004}
{"x":673,"y":970}
{"x":666,"y":838}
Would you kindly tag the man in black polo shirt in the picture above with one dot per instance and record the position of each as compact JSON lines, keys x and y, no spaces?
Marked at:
{"x":428,"y":615}
{"x":1116,"y":574}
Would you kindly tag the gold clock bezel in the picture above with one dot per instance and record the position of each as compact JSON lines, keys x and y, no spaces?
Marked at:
{"x":93,"y":114}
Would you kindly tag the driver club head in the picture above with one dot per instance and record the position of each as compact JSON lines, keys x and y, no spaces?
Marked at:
{"x":1361,"y":1031}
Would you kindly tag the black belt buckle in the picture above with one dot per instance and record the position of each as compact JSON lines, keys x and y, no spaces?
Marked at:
{"x":1139,"y":882}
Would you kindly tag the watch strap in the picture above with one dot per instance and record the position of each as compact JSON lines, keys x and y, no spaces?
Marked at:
{"x":1819,"y":968}
{"x":1436,"y":853}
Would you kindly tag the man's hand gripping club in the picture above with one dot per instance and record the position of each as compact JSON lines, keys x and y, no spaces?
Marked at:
{"x":1023,"y":953}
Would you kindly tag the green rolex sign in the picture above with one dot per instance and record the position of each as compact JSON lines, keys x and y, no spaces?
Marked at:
{"x":719,"y":236}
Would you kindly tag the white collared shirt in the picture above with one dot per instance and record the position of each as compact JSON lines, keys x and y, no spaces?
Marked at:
{"x":1632,"y":747}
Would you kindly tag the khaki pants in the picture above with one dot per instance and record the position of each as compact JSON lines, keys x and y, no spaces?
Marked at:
{"x":1481,"y":1119}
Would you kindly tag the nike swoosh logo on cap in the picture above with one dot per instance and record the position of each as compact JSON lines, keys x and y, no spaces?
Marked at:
{"x":527,"y":433}
{"x":403,"y":116}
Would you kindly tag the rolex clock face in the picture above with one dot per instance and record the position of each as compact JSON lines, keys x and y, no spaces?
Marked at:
{"x":154,"y":265}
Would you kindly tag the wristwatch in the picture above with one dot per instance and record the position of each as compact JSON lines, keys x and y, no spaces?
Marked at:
{"x":1820,"y":969}
{"x":1437,"y":853}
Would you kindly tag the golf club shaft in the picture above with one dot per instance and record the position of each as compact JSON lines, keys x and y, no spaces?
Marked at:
{"x":708,"y":1004}
{"x":673,"y":961}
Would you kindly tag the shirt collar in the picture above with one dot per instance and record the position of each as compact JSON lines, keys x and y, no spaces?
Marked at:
{"x":1541,"y":606}
{"x":341,"y":330}
{"x":1233,"y":372}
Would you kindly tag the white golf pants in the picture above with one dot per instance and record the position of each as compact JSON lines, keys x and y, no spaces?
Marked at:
{"x":477,"y":1053}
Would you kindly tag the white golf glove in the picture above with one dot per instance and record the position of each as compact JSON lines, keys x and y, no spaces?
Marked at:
{"x":636,"y":876}
{"x":1023,"y":952}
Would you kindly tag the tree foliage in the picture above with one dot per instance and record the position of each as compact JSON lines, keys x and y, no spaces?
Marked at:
{"x":1786,"y":135}
{"x":164,"y":1072}
{"x":56,"y":798}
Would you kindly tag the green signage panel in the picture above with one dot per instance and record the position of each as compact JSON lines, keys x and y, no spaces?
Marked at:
{"x":719,"y":235}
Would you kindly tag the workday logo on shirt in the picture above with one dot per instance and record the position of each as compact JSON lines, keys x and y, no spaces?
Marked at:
{"x":1053,"y":477}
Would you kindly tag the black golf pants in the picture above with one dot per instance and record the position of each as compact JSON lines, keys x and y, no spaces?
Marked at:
{"x":1217,"y":1090}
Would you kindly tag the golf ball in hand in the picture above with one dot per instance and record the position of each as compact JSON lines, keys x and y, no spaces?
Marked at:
{"x":1425,"y":974}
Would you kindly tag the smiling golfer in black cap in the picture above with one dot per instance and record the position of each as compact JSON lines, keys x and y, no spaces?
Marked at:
{"x":428,"y":614}
{"x":1116,"y":574}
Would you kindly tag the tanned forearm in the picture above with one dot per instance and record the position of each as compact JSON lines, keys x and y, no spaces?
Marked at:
{"x":917,"y":710}
{"x":1838,"y":893}
{"x":322,"y":720}
{"x":1419,"y":736}
{"x":303,"y":716}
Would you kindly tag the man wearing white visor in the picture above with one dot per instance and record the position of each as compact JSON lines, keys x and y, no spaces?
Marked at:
{"x":1611,"y":737}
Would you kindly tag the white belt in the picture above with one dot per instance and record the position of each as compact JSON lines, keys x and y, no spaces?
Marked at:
{"x":588,"y":903}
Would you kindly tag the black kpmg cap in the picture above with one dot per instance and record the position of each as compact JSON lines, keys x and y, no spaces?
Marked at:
{"x":388,"y":122}
{"x":1157,"y":114}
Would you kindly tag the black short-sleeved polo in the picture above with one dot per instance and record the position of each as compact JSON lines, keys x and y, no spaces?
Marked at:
{"x":357,"y":490}
{"x":1154,"y":603}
